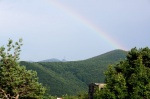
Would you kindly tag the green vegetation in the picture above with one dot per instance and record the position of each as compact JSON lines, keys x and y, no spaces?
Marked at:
{"x":130,"y":79}
{"x":15,"y":81}
{"x":127,"y":79}
{"x":73,"y":78}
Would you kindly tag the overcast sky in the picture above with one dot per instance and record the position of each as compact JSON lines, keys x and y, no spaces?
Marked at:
{"x":74,"y":29}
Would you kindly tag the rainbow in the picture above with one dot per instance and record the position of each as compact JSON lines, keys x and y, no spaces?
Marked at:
{"x":105,"y":36}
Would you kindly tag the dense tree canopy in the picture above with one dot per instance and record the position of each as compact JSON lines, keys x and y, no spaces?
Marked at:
{"x":130,"y":79}
{"x":15,"y":81}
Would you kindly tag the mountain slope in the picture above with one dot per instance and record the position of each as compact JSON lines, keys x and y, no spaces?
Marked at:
{"x":112,"y":55}
{"x":73,"y":77}
{"x":57,"y":82}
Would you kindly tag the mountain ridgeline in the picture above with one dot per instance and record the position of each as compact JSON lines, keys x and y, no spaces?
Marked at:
{"x":53,"y":60}
{"x":73,"y":77}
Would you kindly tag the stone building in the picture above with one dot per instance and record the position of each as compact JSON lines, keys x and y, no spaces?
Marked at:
{"x":93,"y":87}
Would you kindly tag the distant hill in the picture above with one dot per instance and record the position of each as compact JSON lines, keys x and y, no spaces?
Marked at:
{"x":51,"y":60}
{"x":73,"y":77}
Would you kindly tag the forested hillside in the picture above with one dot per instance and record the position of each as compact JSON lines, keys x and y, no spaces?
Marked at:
{"x":74,"y":77}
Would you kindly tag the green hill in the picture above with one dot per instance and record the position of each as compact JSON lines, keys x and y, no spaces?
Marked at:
{"x":73,"y":77}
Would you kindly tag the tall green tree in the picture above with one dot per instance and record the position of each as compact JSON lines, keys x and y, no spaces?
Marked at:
{"x":130,"y":79}
{"x":15,"y":81}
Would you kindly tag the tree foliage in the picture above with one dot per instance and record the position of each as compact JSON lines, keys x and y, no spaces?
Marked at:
{"x":130,"y":79}
{"x":15,"y":81}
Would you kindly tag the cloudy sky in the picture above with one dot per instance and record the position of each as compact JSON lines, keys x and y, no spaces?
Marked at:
{"x":74,"y":29}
